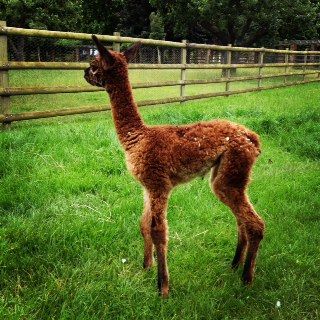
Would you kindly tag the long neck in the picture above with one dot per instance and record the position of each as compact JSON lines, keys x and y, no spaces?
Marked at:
{"x":124,"y":110}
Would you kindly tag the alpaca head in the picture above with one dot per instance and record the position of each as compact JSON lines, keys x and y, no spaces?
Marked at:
{"x":109,"y":66}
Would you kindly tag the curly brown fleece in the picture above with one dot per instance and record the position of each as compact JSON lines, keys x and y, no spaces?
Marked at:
{"x":161,"y":157}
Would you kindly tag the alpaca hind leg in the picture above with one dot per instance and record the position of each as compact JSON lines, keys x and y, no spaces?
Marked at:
{"x":241,"y":246}
{"x":255,"y":230}
{"x":145,"y":228}
{"x":242,"y":234}
{"x":229,"y":184}
{"x":159,"y":234}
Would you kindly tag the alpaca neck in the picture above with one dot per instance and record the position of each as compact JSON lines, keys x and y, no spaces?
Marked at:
{"x":124,"y":110}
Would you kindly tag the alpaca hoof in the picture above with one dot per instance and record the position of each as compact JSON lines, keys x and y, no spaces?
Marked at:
{"x":147,"y":265}
{"x":235,"y":265}
{"x":163,"y":289}
{"x":247,"y":279}
{"x":164,"y":293}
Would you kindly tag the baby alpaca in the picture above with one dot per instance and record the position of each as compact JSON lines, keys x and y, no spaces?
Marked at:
{"x":161,"y":157}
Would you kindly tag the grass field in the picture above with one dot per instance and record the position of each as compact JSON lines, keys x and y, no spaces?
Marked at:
{"x":34,"y":78}
{"x":69,"y":216}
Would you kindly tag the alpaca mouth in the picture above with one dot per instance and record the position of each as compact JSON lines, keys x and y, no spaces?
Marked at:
{"x":86,"y":75}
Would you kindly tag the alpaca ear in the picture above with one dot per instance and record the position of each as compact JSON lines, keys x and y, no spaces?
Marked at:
{"x":104,"y":53}
{"x":132,"y":51}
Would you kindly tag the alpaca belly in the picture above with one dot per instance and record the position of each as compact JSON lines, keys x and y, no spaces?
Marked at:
{"x":196,"y":164}
{"x":186,"y":174}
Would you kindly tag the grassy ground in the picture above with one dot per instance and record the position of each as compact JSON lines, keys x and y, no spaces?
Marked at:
{"x":34,"y":78}
{"x":69,"y":215}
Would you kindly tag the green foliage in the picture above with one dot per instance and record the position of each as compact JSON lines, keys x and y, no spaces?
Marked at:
{"x":134,"y":18}
{"x":246,"y":23}
{"x":40,"y":14}
{"x":101,"y":16}
{"x":130,"y":17}
{"x":156,"y":27}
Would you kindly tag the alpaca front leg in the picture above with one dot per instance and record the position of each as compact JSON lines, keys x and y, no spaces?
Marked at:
{"x":159,"y":234}
{"x":145,"y":228}
{"x":148,"y":245}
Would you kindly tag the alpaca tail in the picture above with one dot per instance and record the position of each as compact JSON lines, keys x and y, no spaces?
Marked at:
{"x":254,"y":138}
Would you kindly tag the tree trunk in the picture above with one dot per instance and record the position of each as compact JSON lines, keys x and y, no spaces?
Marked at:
{"x":18,"y":44}
{"x":159,"y":55}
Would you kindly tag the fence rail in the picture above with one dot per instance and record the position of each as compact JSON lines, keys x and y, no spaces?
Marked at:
{"x":81,"y":66}
{"x":21,"y":91}
{"x":4,"y":30}
{"x":309,"y":67}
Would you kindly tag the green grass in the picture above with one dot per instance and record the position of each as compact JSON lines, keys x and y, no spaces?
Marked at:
{"x":69,"y":214}
{"x":34,"y":78}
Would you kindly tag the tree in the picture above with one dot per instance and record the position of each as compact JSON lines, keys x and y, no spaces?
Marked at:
{"x":157,"y":30}
{"x":130,"y":17}
{"x":101,"y":16}
{"x":42,"y":14}
{"x":239,"y":22}
{"x":134,"y":18}
{"x":297,"y":20}
{"x":39,"y":14}
{"x":156,"y":26}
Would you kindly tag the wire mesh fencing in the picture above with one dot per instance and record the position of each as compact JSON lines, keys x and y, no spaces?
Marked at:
{"x":41,"y":49}
{"x":41,"y":63}
{"x":38,"y":49}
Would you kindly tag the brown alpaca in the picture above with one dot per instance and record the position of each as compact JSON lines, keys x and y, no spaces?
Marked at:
{"x":161,"y":157}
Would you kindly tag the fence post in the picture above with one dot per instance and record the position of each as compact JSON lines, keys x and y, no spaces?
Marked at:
{"x":228,"y":70}
{"x":183,"y":74}
{"x":208,"y":56}
{"x":116,"y":45}
{"x":4,"y":74}
{"x":305,"y":59}
{"x":286,"y":60}
{"x":261,"y":57}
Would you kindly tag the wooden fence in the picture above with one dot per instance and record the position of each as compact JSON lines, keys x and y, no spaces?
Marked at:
{"x":309,"y":66}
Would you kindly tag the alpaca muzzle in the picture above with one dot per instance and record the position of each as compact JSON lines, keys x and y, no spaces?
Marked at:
{"x":91,"y":77}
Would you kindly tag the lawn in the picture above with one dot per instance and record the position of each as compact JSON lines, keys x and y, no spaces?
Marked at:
{"x":41,"y":78}
{"x":69,"y":214}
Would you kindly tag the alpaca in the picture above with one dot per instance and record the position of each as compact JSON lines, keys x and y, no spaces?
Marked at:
{"x":161,"y":157}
